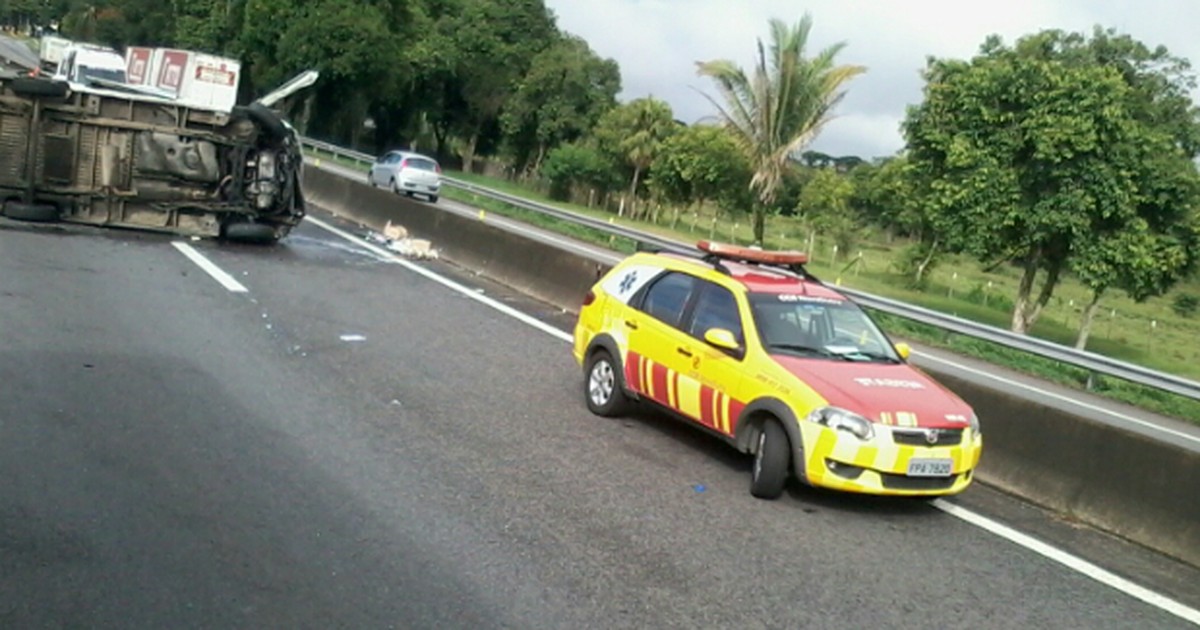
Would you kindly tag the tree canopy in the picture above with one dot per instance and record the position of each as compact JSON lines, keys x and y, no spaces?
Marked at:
{"x":1052,"y":150}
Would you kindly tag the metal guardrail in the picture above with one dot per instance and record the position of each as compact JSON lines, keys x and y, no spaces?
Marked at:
{"x":1094,"y":363}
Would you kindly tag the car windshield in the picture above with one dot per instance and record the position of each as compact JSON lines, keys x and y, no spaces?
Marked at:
{"x":819,"y":327}
{"x":88,"y":73}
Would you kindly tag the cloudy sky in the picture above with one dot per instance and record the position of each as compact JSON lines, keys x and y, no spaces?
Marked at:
{"x":657,"y":43}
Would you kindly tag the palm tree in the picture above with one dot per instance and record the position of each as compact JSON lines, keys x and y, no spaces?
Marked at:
{"x":634,"y":132}
{"x":781,"y":108}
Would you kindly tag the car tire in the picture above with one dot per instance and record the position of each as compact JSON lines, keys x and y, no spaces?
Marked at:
{"x":28,"y":86}
{"x":771,"y":459}
{"x":394,"y":186}
{"x":39,"y":213}
{"x":257,"y":233}
{"x":433,"y":198}
{"x":603,"y":386}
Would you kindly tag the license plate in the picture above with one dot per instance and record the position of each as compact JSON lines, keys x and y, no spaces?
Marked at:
{"x":930,"y":467}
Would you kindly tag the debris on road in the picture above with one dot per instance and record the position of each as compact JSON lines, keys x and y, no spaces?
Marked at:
{"x":353,"y":338}
{"x":396,"y":239}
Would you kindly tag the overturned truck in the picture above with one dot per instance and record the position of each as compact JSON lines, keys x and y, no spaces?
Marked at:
{"x":112,"y":153}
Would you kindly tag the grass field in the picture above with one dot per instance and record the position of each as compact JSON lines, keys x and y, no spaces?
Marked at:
{"x":1148,"y":334}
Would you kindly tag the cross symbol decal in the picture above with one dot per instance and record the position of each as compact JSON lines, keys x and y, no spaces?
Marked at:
{"x":628,"y":281}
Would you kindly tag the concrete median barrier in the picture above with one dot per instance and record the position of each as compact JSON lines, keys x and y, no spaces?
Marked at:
{"x":548,"y":273}
{"x":1141,"y":489}
{"x":1138,"y":488}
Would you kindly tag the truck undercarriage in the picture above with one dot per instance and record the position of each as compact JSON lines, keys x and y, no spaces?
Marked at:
{"x":109,"y":158}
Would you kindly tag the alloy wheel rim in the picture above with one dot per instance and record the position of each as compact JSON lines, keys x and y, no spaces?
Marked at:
{"x":602,"y":383}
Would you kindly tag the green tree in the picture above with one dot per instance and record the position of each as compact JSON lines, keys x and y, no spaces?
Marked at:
{"x":1033,"y":153}
{"x":697,"y":164}
{"x":781,"y":108}
{"x":825,"y":206}
{"x":567,"y":89}
{"x":495,"y":42}
{"x":350,"y":43}
{"x":633,"y":133}
{"x":578,"y":164}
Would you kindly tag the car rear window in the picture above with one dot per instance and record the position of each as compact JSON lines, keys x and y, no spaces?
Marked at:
{"x":421,"y":163}
{"x":667,"y":296}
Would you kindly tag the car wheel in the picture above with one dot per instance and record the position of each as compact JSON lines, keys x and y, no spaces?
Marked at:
{"x":259,"y":233}
{"x":433,"y":198}
{"x":395,"y":186}
{"x":40,"y":213}
{"x":771,"y":460}
{"x":28,"y":86}
{"x":602,"y":386}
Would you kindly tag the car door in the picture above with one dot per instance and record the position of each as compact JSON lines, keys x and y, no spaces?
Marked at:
{"x":654,"y":362}
{"x":373,"y":173}
{"x":717,"y":372}
{"x":381,"y":170}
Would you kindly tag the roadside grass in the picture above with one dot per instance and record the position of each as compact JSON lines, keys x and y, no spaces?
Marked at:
{"x":958,"y":286}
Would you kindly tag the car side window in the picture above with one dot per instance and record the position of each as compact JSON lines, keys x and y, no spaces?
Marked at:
{"x":716,"y":308}
{"x":667,"y":297}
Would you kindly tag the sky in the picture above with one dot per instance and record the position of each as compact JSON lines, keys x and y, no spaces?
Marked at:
{"x":658,"y":42}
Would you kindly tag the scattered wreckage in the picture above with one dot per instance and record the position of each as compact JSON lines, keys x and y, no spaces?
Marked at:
{"x":152,"y":140}
{"x":396,"y":239}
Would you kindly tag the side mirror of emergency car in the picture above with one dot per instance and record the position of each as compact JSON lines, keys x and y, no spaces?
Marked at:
{"x":721,"y":338}
{"x":903,"y":350}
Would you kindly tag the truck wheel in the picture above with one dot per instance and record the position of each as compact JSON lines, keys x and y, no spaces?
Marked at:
{"x":268,"y":120}
{"x":28,"y":86}
{"x":770,"y":462}
{"x":40,"y":213}
{"x":259,"y":233}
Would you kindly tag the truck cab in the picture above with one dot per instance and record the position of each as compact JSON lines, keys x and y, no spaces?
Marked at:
{"x":83,"y":65}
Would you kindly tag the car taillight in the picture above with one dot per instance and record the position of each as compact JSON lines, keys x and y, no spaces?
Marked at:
{"x":404,"y":164}
{"x":589,"y":298}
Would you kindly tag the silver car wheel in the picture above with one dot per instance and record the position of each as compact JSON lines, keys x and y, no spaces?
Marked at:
{"x":602,"y":382}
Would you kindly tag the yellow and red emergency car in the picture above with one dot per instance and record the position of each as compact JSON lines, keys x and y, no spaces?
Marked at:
{"x":749,"y":346}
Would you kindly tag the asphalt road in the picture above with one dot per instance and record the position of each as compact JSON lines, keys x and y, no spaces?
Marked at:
{"x":350,"y":444}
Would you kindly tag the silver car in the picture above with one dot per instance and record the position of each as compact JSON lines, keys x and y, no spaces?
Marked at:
{"x":407,"y":173}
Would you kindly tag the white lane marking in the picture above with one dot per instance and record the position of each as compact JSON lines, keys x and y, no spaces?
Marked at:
{"x":209,"y":267}
{"x":1072,"y":562}
{"x":387,"y":256}
{"x":1066,"y":399}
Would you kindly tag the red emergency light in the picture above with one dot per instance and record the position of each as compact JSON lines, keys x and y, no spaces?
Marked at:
{"x":726,"y":251}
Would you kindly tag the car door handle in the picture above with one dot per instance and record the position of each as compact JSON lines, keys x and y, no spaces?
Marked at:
{"x":684,"y":351}
{"x":629,"y":323}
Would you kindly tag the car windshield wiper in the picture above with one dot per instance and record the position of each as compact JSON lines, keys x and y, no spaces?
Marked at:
{"x":872,"y":356}
{"x":808,"y":349}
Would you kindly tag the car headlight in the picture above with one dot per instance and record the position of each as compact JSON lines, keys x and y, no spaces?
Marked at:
{"x":842,"y":420}
{"x":975,"y":430}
